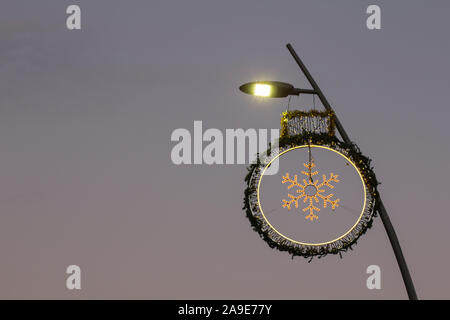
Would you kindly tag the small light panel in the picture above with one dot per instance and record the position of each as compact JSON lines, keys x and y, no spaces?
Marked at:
{"x":262,"y":90}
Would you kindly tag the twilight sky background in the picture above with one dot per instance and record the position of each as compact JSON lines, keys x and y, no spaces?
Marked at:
{"x":85,"y":124}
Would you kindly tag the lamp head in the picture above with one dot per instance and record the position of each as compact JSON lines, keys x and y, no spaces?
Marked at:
{"x":272,"y":89}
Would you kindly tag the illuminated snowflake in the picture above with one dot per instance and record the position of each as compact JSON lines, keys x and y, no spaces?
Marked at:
{"x":310,"y":191}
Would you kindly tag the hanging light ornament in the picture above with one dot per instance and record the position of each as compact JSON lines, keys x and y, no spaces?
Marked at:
{"x":309,"y":136}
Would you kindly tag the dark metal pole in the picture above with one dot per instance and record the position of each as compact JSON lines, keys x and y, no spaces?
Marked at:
{"x":381,"y":209}
{"x":397,"y":251}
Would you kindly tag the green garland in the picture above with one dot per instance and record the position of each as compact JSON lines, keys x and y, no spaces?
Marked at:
{"x":363,"y":164}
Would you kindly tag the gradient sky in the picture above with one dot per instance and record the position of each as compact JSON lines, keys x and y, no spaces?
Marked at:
{"x":85,"y":123}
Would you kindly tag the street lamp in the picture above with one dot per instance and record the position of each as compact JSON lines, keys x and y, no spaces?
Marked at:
{"x":272,"y":89}
{"x":276,"y":89}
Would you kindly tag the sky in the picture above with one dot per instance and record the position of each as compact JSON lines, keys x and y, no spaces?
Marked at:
{"x":86,"y":118}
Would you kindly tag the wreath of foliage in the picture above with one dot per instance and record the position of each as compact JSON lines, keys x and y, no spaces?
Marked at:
{"x":272,"y":238}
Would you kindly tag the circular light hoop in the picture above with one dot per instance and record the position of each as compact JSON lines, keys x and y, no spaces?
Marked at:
{"x":326,"y":141}
{"x":304,"y":243}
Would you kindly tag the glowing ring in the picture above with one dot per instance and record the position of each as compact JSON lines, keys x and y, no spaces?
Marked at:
{"x":313,"y":244}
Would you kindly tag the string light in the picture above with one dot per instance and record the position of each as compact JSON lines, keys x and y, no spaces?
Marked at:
{"x":306,"y":187}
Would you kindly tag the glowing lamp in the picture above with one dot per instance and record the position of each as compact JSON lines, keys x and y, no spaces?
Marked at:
{"x":272,"y":89}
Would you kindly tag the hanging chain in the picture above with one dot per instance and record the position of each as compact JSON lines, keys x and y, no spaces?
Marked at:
{"x":310,"y":161}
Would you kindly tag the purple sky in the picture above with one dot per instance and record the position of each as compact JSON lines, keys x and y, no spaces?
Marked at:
{"x":85,"y":123}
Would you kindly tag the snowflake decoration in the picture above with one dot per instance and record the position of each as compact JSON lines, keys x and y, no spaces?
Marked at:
{"x":310,"y":191}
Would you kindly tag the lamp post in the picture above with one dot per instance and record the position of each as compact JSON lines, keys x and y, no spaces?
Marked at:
{"x":276,"y":89}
